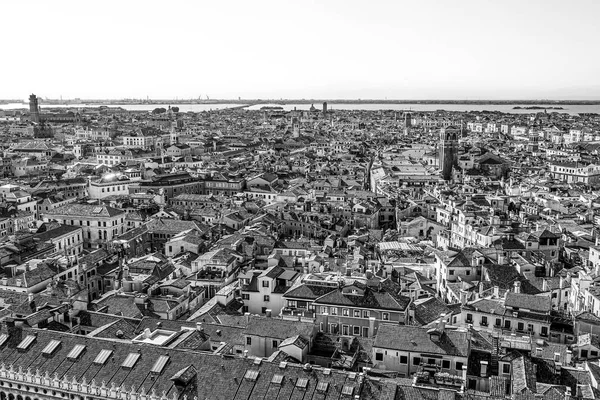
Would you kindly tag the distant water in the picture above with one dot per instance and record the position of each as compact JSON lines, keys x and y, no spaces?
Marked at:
{"x":129,"y":107}
{"x":505,"y":108}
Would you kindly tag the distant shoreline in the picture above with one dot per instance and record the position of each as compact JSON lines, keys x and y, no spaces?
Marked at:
{"x":313,"y":101}
{"x":537,"y":108}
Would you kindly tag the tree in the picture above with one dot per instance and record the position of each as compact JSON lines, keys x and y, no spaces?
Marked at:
{"x":175,"y":109}
{"x":159,"y":110}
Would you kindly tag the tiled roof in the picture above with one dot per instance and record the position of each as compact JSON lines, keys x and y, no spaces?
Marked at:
{"x":84,"y":210}
{"x":278,"y":328}
{"x":195,"y":374}
{"x":541,"y":303}
{"x":415,"y":339}
{"x":371,"y":299}
{"x":429,"y":310}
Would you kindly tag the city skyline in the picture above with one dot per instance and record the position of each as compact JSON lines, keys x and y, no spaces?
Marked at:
{"x":337,"y":50}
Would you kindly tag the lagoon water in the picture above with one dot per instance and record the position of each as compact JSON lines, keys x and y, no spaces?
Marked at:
{"x":505,"y":108}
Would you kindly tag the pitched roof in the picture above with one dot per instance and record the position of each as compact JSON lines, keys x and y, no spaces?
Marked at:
{"x":85,"y":210}
{"x":416,"y":339}
{"x":383,"y":300}
{"x":541,"y":303}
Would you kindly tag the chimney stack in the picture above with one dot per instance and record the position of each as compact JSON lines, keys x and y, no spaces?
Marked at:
{"x":442,"y":322}
{"x":517,"y":287}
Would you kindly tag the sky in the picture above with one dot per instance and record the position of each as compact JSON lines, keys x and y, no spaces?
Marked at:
{"x":323,"y":49}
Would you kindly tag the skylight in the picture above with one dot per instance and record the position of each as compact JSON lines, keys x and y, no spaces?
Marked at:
{"x":322,"y":386}
{"x":25,"y":343}
{"x":302,"y":383}
{"x":277,"y":379}
{"x":51,"y":347}
{"x":160,"y":364}
{"x":347,"y":390}
{"x":130,"y":360}
{"x":251,"y":375}
{"x":102,"y":357}
{"x":3,"y":338}
{"x":76,"y":352}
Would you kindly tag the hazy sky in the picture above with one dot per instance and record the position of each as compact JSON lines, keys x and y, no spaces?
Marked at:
{"x":445,"y":49}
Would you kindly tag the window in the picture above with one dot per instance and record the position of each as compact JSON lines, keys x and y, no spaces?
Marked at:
{"x":76,"y":352}
{"x":324,"y":310}
{"x":334,"y":311}
{"x":583,"y":353}
{"x":356,"y":313}
{"x":416,"y":360}
{"x":25,"y":343}
{"x":459,"y":366}
{"x":275,"y":344}
{"x":366,"y":314}
{"x":379,"y":356}
{"x":160,"y":364}
{"x":446,"y":364}
{"x":245,"y":296}
{"x":484,"y":320}
{"x":498,"y":322}
{"x":507,"y":324}
{"x":469,"y":317}
{"x":544,"y":331}
{"x":248,"y":341}
{"x":302,"y":383}
{"x":403,"y":360}
{"x":131,"y":360}
{"x":594,"y":353}
{"x":529,"y":327}
{"x":520,"y":326}
{"x":266,"y":297}
{"x":265,"y":284}
{"x":356,"y":330}
{"x":345,"y":312}
{"x":102,"y":357}
{"x":451,"y":272}
{"x":385,"y":316}
{"x":51,"y":347}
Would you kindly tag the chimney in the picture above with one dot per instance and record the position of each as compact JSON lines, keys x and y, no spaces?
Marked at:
{"x":14,"y":330}
{"x":268,"y":312}
{"x":463,"y":297}
{"x":538,"y":351}
{"x":496,"y":292}
{"x":442,"y":322}
{"x":199,"y":327}
{"x":545,"y":285}
{"x":371,"y":327}
{"x":147,"y":333}
{"x":517,"y":287}
{"x":568,"y":357}
{"x":247,"y":315}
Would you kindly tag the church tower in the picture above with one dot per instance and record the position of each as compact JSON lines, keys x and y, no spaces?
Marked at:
{"x":448,"y":151}
{"x":34,"y":108}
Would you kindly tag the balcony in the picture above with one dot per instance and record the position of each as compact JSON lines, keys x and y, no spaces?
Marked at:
{"x":298,"y":314}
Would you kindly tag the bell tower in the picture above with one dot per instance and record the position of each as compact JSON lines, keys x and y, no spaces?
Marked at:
{"x":34,"y":108}
{"x":448,"y":152}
